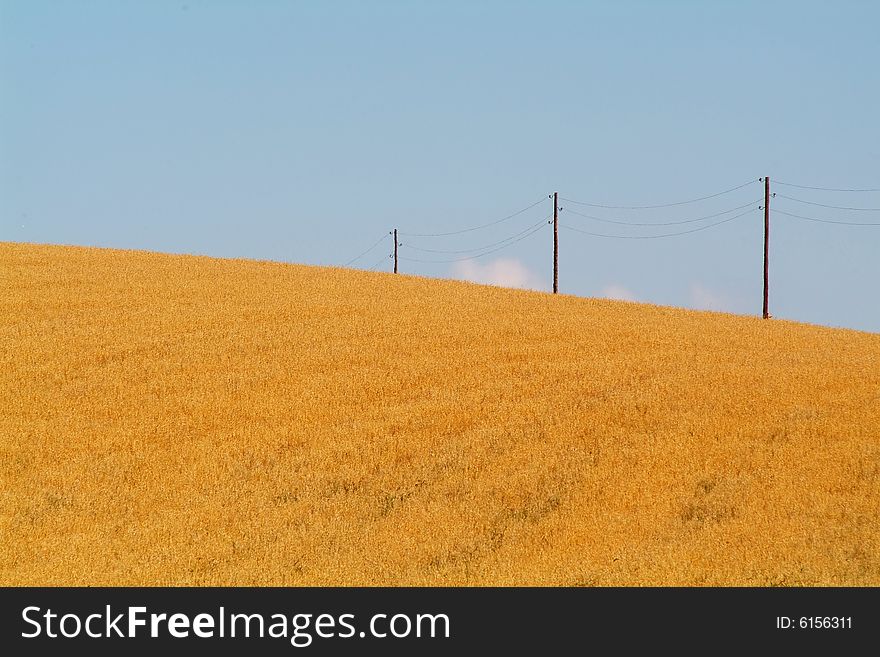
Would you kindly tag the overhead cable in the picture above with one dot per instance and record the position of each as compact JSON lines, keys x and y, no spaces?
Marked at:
{"x":826,"y":221}
{"x":479,"y":255}
{"x":824,"y":205}
{"x":660,"y":223}
{"x":660,"y":205}
{"x":652,"y":237}
{"x":827,"y":189}
{"x":478,"y":248}
{"x":468,"y":230}
{"x":379,"y":241}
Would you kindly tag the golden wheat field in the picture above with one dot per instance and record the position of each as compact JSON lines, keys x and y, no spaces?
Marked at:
{"x":188,"y":421}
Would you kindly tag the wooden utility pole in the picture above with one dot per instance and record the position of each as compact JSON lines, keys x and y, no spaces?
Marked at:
{"x":555,"y":242}
{"x":766,"y":246}
{"x":395,"y":250}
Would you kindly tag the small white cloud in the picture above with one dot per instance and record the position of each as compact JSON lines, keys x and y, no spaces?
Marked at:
{"x":504,"y":272}
{"x":705,"y":299}
{"x":618,"y":293}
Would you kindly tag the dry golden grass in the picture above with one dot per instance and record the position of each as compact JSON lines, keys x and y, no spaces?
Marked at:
{"x":186,"y":420}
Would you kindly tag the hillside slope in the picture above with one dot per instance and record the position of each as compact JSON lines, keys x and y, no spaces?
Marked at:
{"x":187,"y":420}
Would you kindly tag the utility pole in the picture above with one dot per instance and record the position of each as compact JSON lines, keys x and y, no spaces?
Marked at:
{"x":766,"y":246}
{"x":395,"y":250}
{"x":555,"y":242}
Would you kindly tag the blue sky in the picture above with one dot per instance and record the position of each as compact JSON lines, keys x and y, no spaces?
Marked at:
{"x":303,"y":132}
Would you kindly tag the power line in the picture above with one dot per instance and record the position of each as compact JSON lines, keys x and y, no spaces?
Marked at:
{"x":479,"y":248}
{"x":664,"y":223}
{"x":378,"y":241}
{"x":662,"y":205}
{"x":468,"y":230}
{"x":826,"y":189}
{"x":823,"y":205}
{"x":379,"y":262}
{"x":827,"y":221}
{"x":652,"y":237}
{"x":480,"y":255}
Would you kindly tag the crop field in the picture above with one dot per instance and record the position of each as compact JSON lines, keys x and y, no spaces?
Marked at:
{"x":180,"y":420}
